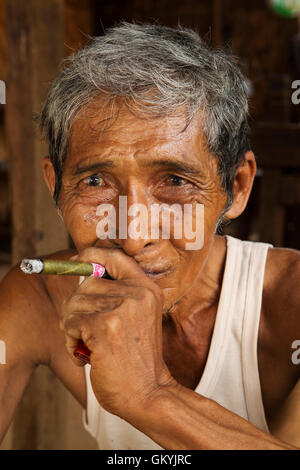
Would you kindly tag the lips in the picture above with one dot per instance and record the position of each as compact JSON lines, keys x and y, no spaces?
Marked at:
{"x":155,"y":264}
{"x":157,"y":275}
{"x":156,"y":271}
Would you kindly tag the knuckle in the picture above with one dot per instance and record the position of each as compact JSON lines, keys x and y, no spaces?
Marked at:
{"x":74,"y":321}
{"x":108,"y":303}
{"x":78,"y":299}
{"x":113,"y":323}
{"x":88,"y":254}
{"x":148,"y":295}
{"x":129,"y":302}
{"x":115,"y":253}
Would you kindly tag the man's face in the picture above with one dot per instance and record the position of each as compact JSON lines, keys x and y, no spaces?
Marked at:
{"x":150,"y":161}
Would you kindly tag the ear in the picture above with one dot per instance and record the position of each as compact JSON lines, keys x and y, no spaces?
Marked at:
{"x":49,"y":177}
{"x":242,"y":186}
{"x":49,"y":174}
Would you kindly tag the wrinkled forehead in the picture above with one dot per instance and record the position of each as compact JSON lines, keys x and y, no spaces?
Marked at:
{"x":115,"y":125}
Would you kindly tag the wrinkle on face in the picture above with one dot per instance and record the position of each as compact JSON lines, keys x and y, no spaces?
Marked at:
{"x":133,"y":150}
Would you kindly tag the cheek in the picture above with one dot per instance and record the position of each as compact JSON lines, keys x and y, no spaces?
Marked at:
{"x":79,"y":210}
{"x":81,"y":222}
{"x":195,"y":226}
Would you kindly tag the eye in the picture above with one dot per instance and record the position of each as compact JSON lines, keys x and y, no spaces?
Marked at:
{"x":176,"y":180}
{"x":93,"y":180}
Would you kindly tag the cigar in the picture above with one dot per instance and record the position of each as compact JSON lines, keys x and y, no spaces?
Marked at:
{"x":70,"y":268}
{"x":62,"y":267}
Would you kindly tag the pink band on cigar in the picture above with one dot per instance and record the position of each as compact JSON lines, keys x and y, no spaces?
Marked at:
{"x":98,"y":270}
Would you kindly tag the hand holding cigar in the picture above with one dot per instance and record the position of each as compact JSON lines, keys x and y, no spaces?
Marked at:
{"x":70,"y":268}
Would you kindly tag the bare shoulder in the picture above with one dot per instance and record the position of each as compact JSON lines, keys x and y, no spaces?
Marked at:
{"x":281,"y":299}
{"x":27,"y":312}
{"x":24,"y":307}
{"x":282,"y":276}
{"x":29,"y":328}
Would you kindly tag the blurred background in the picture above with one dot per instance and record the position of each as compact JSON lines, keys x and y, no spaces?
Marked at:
{"x":35,"y":37}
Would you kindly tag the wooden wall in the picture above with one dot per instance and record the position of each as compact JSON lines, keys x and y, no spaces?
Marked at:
{"x":48,"y":417}
{"x":260,"y":38}
{"x":2,"y":42}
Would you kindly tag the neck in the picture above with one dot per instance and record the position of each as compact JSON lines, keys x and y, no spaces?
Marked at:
{"x":204,"y":293}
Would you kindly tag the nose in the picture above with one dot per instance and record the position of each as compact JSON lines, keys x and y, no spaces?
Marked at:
{"x":134,"y":247}
{"x":134,"y":222}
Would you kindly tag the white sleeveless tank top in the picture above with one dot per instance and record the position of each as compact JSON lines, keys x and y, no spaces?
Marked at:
{"x":230,"y":376}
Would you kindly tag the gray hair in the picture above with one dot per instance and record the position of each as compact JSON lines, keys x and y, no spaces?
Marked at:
{"x":157,"y":70}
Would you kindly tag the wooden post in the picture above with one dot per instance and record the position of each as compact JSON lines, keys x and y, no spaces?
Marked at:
{"x":35,"y":48}
{"x":217,"y":35}
{"x":271,"y":217}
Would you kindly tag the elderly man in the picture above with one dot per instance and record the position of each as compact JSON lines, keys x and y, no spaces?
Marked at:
{"x":191,"y":347}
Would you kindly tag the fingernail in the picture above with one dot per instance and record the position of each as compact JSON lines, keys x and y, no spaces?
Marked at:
{"x":82,"y":357}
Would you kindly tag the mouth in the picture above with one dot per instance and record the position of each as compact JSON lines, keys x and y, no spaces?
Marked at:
{"x":157,"y":266}
{"x":157,"y":273}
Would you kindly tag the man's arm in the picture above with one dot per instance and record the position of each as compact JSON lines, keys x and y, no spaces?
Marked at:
{"x":23,"y":330}
{"x":282,"y":303}
{"x":201,"y":423}
{"x":287,"y":424}
{"x":180,"y":419}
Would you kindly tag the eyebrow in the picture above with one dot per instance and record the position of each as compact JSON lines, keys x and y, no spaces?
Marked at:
{"x":176,"y":165}
{"x":94,"y":167}
{"x":179,"y":166}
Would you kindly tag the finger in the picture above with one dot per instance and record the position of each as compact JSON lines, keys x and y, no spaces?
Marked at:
{"x":104,"y":287}
{"x":72,"y":344}
{"x":80,"y":328}
{"x":83,"y":304}
{"x":118,"y":264}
